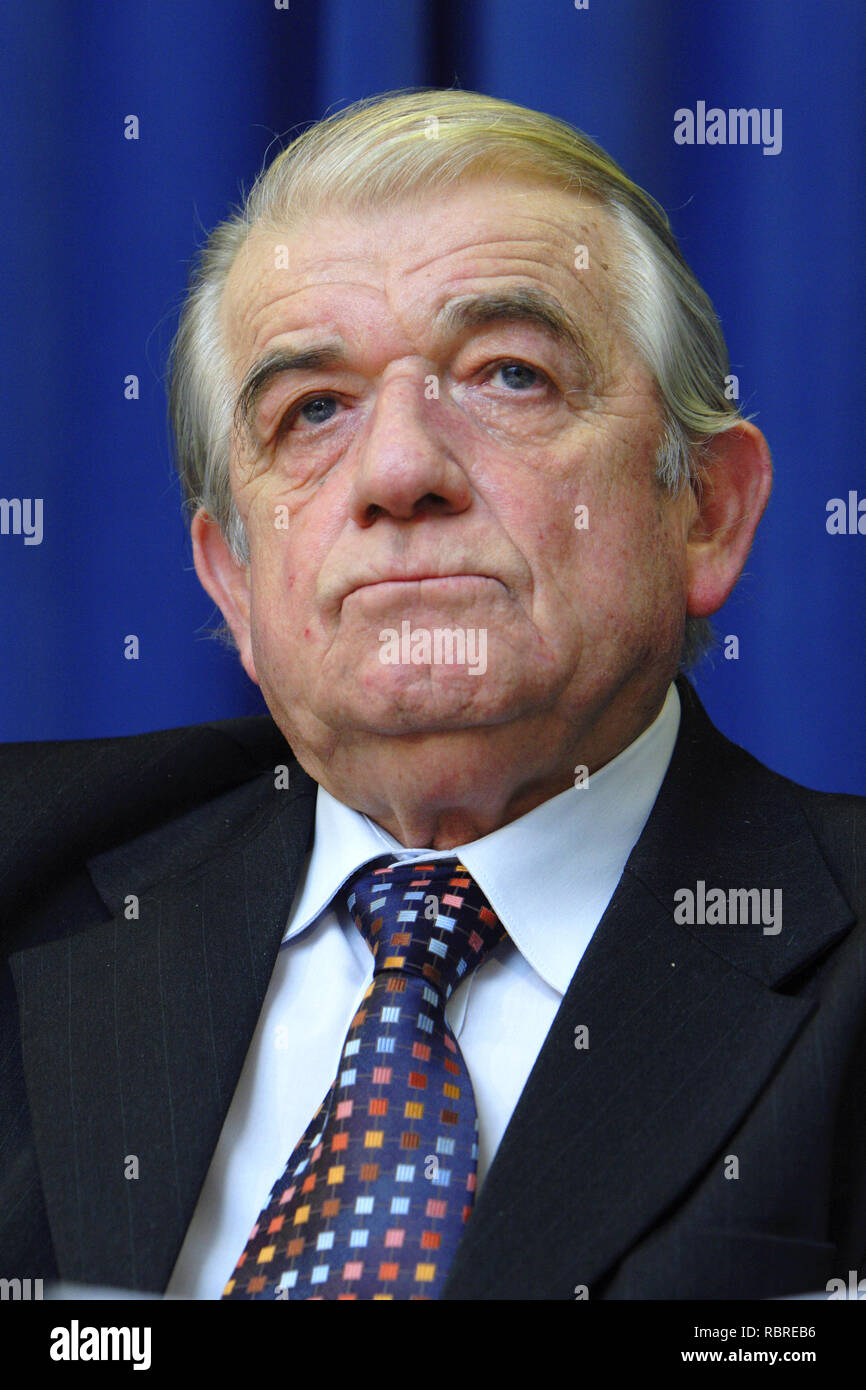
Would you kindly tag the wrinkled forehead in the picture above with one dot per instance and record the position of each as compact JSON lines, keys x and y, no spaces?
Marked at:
{"x":421,"y":251}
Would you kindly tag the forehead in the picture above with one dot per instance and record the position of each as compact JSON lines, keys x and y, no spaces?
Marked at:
{"x":414,"y":256}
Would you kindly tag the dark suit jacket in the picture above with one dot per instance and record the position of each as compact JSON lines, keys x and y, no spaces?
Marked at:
{"x":707,"y":1044}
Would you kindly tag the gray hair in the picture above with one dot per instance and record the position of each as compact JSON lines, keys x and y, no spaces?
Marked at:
{"x":370,"y":156}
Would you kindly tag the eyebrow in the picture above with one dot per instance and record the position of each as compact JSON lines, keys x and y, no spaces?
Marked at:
{"x":278,"y":363}
{"x":524,"y":304}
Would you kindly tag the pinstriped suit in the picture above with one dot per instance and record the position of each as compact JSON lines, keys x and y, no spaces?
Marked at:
{"x":123,"y":1037}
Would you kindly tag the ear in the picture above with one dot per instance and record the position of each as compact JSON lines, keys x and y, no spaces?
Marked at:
{"x":226,"y":580}
{"x":729,"y":500}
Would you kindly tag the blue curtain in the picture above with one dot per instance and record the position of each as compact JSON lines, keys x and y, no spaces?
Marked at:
{"x":98,"y":231}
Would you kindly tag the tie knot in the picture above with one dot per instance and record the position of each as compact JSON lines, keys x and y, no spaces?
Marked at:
{"x":431,"y":920}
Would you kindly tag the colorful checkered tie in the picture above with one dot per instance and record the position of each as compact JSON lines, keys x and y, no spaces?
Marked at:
{"x":374,"y":1199}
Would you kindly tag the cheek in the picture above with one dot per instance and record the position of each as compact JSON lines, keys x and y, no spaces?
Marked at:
{"x":284,"y":541}
{"x":622,"y":565}
{"x":280,"y":602}
{"x":601,"y":536}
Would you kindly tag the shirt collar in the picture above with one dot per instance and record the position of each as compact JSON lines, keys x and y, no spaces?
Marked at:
{"x":548,"y":875}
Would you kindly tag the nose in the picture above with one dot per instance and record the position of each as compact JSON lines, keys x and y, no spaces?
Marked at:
{"x":405,"y":469}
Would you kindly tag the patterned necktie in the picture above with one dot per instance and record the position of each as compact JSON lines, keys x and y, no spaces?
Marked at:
{"x":376,"y":1195}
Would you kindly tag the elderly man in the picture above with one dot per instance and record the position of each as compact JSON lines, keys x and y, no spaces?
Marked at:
{"x":488,"y":968}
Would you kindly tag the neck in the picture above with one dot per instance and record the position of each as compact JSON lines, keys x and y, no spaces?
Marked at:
{"x":437,"y":791}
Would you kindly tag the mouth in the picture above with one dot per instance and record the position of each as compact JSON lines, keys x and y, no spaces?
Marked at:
{"x":425,"y":583}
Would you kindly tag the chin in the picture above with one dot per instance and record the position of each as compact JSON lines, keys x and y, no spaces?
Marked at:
{"x":407,"y":701}
{"x":407,"y":715}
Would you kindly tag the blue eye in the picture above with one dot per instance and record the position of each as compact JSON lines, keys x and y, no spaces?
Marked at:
{"x":518,"y":372}
{"x":314,"y":405}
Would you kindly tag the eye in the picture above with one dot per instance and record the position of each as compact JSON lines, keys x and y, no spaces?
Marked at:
{"x":519,"y":376}
{"x":316,"y":410}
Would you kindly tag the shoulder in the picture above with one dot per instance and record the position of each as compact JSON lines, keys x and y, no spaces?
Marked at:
{"x":838,"y":822}
{"x":222,"y":751}
{"x":732,"y":794}
{"x":63,"y":800}
{"x":707,"y":749}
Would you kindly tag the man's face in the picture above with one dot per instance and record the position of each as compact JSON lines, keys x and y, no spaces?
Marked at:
{"x":462,"y":470}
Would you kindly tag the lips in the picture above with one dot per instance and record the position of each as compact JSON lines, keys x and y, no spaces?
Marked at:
{"x":416,"y":578}
{"x":427,"y":574}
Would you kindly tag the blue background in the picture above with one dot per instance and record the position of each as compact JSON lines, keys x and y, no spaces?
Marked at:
{"x":98,"y":231}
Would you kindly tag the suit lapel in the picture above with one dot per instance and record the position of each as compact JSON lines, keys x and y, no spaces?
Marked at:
{"x":685,"y":1029}
{"x":134,"y":1032}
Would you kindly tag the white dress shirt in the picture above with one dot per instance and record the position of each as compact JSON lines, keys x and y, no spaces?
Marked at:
{"x":548,"y":876}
